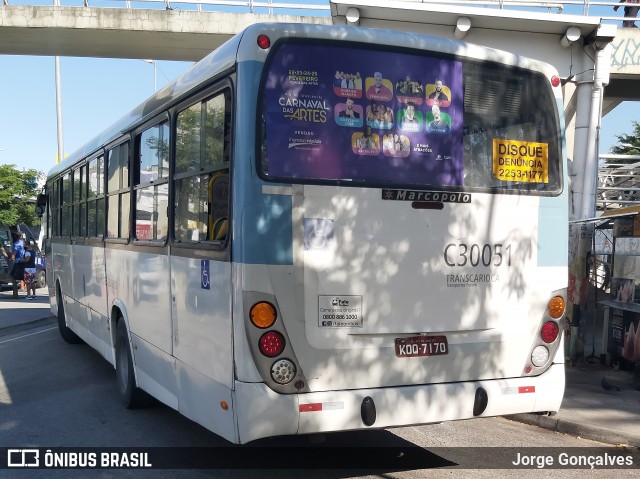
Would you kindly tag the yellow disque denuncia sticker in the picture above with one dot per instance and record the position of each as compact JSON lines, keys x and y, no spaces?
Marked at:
{"x":526,"y":161}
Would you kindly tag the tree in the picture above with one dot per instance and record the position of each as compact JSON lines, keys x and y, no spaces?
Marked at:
{"x":628,"y":144}
{"x":16,"y":187}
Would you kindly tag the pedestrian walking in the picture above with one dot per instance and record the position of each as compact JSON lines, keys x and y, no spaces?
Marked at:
{"x":630,"y":11}
{"x":17,"y":270}
{"x":29,"y":261}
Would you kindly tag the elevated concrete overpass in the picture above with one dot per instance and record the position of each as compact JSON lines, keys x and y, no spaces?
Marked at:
{"x":625,"y":68}
{"x":190,"y":35}
{"x":186,"y":35}
{"x":124,"y":33}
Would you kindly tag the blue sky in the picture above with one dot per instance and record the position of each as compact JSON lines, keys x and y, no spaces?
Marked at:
{"x":97,"y":92}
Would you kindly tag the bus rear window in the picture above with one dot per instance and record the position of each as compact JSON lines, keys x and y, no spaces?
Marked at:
{"x":405,"y":119}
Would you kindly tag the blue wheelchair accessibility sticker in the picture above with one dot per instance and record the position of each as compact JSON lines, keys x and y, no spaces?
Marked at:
{"x":205,"y":282}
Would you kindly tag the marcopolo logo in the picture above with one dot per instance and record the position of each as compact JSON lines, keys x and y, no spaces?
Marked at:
{"x":439,"y":196}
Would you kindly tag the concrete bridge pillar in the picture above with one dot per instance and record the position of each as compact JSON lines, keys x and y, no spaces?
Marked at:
{"x":589,"y":96}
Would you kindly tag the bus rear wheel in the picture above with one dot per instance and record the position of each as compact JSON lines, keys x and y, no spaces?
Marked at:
{"x":131,"y":396}
{"x":66,"y":333}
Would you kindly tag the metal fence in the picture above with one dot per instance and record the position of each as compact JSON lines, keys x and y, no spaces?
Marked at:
{"x":618,"y":182}
{"x":248,"y":6}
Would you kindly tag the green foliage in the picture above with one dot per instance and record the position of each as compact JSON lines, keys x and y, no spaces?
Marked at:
{"x":628,"y":144}
{"x":17,"y":189}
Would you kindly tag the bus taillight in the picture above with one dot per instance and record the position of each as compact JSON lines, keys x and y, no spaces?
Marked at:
{"x":263,"y":315}
{"x":264,"y":42}
{"x":549,"y":331}
{"x":556,"y":307}
{"x":283,"y":371}
{"x":271,"y":344}
{"x":539,"y":357}
{"x":555,"y":81}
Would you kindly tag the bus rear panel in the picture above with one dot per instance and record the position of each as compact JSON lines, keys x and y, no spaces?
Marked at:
{"x":406,"y":232}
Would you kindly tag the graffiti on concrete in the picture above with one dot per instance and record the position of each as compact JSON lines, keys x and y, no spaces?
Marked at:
{"x":626,"y":53}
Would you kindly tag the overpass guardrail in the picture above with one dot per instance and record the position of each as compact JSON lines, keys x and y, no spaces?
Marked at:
{"x":235,"y":6}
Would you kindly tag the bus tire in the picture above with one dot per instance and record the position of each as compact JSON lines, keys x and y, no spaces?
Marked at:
{"x":132,"y":397}
{"x":66,"y":333}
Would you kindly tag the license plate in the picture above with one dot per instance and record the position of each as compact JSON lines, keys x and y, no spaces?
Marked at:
{"x":417,"y":346}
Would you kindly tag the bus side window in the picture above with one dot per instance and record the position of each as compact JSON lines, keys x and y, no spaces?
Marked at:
{"x":218,"y":206}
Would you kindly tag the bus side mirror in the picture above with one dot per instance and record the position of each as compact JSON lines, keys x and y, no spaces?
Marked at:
{"x":41,"y":204}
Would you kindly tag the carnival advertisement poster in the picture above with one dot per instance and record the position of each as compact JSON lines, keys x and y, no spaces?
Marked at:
{"x":349,"y":114}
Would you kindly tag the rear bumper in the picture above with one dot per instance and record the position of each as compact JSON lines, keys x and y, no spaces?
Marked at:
{"x":263,"y":413}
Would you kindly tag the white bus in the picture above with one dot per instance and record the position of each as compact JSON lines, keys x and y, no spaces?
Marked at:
{"x":324,"y":228}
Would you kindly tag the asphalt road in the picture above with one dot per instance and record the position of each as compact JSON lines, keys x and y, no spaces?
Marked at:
{"x":54,"y":395}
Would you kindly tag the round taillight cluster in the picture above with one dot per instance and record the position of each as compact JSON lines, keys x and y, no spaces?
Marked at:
{"x":549,"y":331}
{"x":263,"y":315}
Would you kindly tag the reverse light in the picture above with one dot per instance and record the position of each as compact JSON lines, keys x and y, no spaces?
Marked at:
{"x":264,"y":42}
{"x":549,"y":332}
{"x":556,"y":307}
{"x":540,"y":356}
{"x":283,"y":371}
{"x":271,"y":344}
{"x":263,"y":315}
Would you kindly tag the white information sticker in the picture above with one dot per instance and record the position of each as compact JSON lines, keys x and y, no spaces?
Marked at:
{"x":340,"y":311}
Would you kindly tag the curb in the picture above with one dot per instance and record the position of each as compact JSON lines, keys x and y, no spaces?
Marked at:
{"x":585,"y":431}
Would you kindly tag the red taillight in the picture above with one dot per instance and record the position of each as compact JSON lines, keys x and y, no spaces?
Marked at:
{"x":264,"y":42}
{"x":549,"y":332}
{"x":555,"y":81}
{"x":271,"y":344}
